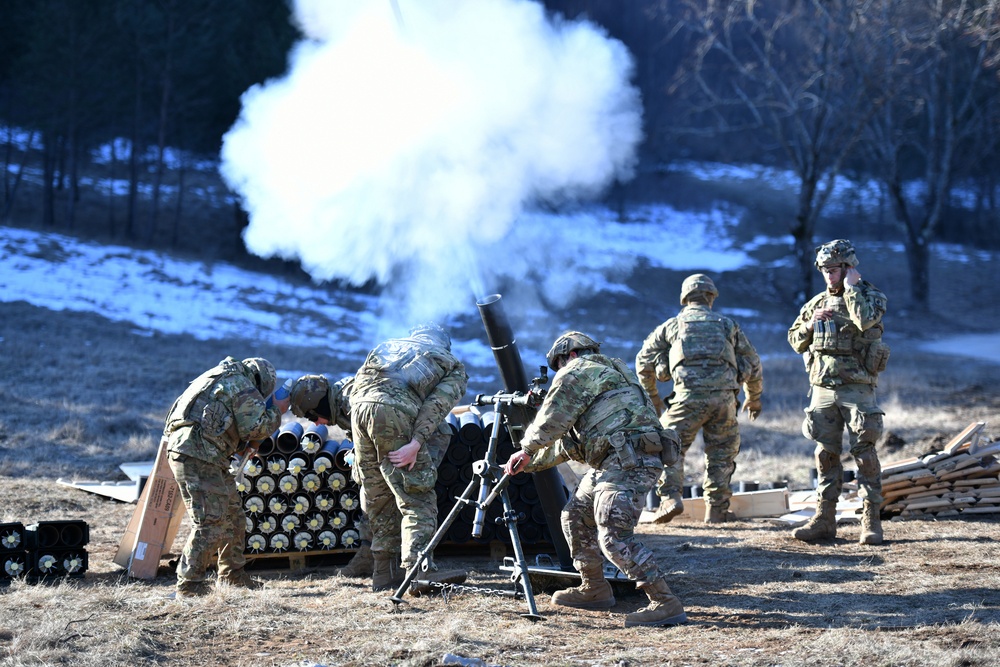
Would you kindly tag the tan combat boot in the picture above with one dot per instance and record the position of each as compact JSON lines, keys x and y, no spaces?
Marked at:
{"x":822,"y":525}
{"x":871,"y":524}
{"x":386,"y":574}
{"x":191,"y":589}
{"x":715,"y":514}
{"x":238,"y":578}
{"x":670,"y":506}
{"x":361,"y":565}
{"x":594,"y":592}
{"x":664,"y":607}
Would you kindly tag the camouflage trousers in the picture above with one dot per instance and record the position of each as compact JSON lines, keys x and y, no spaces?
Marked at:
{"x":401,"y":504}
{"x":714,"y":414}
{"x":852,"y":407}
{"x":599,"y":520}
{"x":437,"y":445}
{"x":218,"y":521}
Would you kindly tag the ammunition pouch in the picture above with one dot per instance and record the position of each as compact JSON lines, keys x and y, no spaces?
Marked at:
{"x":829,"y":338}
{"x":876,"y":357}
{"x":670,"y":446}
{"x":621,"y":443}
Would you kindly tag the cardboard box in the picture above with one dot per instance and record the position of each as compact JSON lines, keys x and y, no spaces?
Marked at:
{"x":154,"y":524}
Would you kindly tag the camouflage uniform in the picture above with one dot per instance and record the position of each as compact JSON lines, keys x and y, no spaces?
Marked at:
{"x":708,"y":357}
{"x":403,"y":392}
{"x":843,"y":357}
{"x":596,"y":413}
{"x":219,"y":411}
{"x":338,"y":411}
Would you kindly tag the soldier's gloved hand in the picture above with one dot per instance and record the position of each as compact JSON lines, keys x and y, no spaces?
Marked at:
{"x":752,"y":407}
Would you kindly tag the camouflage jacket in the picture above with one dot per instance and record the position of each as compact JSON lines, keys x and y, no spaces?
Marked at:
{"x":592,"y":398}
{"x":218,"y":411}
{"x":417,"y":377}
{"x":701,"y":351}
{"x":848,"y":349}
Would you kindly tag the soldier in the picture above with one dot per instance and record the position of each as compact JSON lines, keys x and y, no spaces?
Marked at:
{"x":402,"y":394}
{"x":708,"y":357}
{"x":222,"y":408}
{"x":596,"y":413}
{"x":316,"y":399}
{"x":839,"y":334}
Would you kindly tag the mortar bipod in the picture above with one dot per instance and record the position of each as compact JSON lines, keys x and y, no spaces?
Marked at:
{"x":485,"y":475}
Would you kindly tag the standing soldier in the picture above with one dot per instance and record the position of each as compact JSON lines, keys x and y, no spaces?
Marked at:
{"x":709,"y":358}
{"x":223,"y":408}
{"x":596,"y":413}
{"x":402,"y":395}
{"x":839,"y":334}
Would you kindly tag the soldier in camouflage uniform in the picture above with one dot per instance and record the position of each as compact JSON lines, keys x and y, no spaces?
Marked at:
{"x":223,"y":408}
{"x":316,"y":399}
{"x":402,"y":395}
{"x":839,"y":334}
{"x":597,"y":413}
{"x":709,"y":358}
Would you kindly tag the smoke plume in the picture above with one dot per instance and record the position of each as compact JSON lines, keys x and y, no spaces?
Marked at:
{"x":409,"y":139}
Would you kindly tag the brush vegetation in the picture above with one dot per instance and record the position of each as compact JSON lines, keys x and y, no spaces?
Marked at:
{"x":82,"y":394}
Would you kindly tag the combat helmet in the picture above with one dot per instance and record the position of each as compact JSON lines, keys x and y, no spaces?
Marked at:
{"x":264,"y":374}
{"x":306,"y":395}
{"x":697,"y":282}
{"x":434,"y":332}
{"x":566,"y":343}
{"x":836,"y":253}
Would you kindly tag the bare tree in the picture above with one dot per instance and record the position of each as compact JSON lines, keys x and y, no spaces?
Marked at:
{"x":941,"y":56}
{"x":793,"y":75}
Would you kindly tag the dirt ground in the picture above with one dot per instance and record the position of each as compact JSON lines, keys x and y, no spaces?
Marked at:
{"x":754,"y":596}
{"x":82,"y":395}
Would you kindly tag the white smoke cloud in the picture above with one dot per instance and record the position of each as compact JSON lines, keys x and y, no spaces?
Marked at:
{"x":408,"y":138}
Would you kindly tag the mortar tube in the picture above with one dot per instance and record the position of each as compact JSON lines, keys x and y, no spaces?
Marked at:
{"x":549,"y":483}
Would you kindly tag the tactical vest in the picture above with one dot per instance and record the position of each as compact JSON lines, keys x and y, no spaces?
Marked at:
{"x":840,"y":353}
{"x":405,"y":362}
{"x":836,"y":335}
{"x":701,"y":341}
{"x":198,"y":406}
{"x":610,"y":411}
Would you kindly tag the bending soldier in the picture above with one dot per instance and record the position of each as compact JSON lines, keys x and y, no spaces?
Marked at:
{"x":221,"y":409}
{"x":709,"y":358}
{"x":839,"y":334}
{"x":402,"y":395}
{"x":596,"y":413}
{"x":315,"y":398}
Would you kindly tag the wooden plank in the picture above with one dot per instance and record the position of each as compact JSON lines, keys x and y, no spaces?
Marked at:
{"x":967,"y":433}
{"x":952,"y":463}
{"x":901,"y":493}
{"x":908,"y":476}
{"x":979,"y":509}
{"x":903,"y":465}
{"x":767,"y":503}
{"x":892,"y":486}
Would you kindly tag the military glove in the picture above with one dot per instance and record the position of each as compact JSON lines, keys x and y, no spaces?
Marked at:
{"x":752,"y":407}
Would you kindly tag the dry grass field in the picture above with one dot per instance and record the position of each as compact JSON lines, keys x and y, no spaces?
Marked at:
{"x":81,"y":395}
